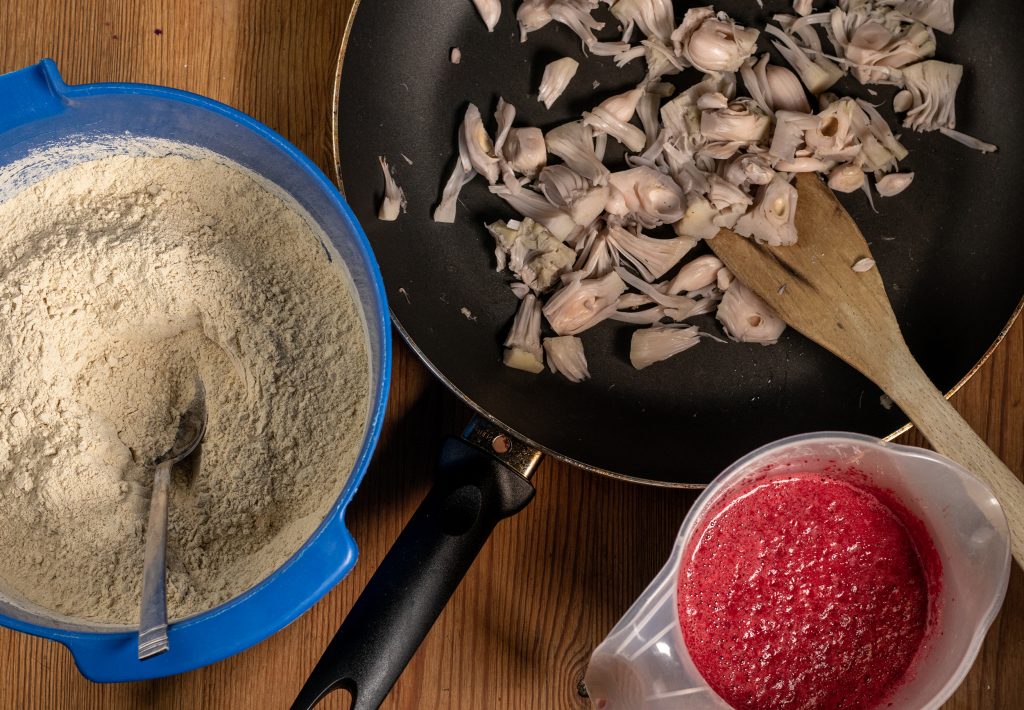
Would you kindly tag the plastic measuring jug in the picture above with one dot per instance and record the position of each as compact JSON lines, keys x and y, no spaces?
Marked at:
{"x":643,"y":664}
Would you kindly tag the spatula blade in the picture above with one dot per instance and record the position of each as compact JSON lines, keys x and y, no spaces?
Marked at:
{"x":812,"y":284}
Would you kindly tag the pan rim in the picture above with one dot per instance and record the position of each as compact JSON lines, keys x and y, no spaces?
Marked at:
{"x":337,"y":177}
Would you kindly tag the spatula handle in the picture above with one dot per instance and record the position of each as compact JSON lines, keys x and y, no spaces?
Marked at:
{"x":953,"y":437}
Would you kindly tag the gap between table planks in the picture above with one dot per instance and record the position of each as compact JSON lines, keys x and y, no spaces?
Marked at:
{"x":552,"y":581}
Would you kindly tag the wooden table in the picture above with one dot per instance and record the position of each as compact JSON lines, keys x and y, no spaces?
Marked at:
{"x":520,"y":629}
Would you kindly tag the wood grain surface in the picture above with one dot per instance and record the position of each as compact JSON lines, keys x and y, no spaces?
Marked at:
{"x":552,"y":581}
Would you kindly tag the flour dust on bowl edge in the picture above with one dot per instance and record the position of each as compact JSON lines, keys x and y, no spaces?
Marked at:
{"x":41,"y":111}
{"x":644,"y":664}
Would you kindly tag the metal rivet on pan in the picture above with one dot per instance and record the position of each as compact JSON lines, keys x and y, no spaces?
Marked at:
{"x":501,"y":444}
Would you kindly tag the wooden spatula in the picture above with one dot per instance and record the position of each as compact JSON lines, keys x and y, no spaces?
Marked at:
{"x":814,"y":288}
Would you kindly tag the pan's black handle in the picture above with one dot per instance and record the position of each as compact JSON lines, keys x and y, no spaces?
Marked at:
{"x":479,"y":484}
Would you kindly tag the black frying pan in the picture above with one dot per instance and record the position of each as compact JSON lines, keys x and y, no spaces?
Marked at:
{"x":949,"y":250}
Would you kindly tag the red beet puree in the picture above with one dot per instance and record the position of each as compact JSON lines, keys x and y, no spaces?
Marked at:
{"x":806,"y":592}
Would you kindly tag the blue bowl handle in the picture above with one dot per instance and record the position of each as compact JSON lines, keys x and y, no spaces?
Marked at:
{"x":102,"y":657}
{"x":30,"y":94}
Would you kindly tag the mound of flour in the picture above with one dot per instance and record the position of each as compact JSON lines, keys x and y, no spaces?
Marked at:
{"x":122,"y":280}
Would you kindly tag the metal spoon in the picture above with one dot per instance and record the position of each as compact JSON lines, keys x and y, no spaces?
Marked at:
{"x":153,"y":611}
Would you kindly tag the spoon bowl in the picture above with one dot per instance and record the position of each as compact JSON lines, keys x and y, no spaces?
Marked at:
{"x":191,"y":428}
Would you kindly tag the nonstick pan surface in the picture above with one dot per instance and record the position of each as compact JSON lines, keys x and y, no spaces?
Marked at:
{"x":950,"y":248}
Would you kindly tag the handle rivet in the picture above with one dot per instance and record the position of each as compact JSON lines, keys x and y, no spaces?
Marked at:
{"x":500,"y":444}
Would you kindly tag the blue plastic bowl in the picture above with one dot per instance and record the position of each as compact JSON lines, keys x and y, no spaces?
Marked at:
{"x":39,"y":110}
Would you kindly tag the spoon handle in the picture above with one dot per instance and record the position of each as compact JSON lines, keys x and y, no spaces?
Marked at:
{"x":954,"y":438}
{"x":153,"y":612}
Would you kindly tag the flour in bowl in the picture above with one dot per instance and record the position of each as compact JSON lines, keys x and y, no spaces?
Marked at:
{"x":121,"y":280}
